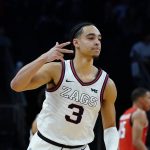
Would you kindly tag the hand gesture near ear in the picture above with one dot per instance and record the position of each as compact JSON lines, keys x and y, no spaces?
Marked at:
{"x":35,"y":74}
{"x":57,"y":52}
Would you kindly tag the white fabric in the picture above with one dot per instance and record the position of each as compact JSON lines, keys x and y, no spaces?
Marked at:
{"x":111,"y":138}
{"x":38,"y":144}
{"x":80,"y":103}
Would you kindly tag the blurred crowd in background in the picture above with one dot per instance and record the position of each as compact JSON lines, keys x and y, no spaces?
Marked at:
{"x":29,"y":28}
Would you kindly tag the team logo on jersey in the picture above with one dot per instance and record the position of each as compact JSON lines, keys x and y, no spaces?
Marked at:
{"x":77,"y":96}
{"x":94,"y":90}
{"x":69,"y":80}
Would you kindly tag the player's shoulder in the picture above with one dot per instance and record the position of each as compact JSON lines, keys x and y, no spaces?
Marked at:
{"x":110,"y":92}
{"x":54,"y":69}
{"x":139,"y":114}
{"x":110,"y":84}
{"x":54,"y":66}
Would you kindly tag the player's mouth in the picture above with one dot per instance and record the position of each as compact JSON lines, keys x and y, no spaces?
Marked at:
{"x":96,"y":49}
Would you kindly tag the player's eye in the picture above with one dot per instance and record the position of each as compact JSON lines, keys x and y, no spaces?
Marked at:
{"x":91,"y":38}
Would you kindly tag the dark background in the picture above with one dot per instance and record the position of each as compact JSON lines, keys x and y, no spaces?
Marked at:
{"x":29,"y":28}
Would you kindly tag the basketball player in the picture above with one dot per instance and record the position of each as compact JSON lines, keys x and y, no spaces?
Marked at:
{"x":76,"y":92}
{"x":134,"y":123}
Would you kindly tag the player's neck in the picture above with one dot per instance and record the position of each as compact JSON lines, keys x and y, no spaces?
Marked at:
{"x":137,"y":105}
{"x":83,"y":64}
{"x":85,"y":70}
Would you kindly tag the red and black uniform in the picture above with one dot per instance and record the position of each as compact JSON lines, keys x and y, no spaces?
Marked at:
{"x":125,"y":131}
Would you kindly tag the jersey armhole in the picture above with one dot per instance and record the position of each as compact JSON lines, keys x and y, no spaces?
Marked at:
{"x":60,"y":80}
{"x":103,"y":87}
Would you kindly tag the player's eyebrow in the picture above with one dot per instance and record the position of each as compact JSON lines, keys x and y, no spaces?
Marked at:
{"x":93,"y":34}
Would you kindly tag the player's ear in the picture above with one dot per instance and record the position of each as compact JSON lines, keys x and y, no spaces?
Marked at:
{"x":75,"y":42}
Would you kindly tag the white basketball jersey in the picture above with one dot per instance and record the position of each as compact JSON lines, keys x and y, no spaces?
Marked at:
{"x":70,"y":110}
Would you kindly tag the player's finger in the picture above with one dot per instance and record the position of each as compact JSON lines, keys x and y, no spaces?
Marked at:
{"x":63,"y":44}
{"x":56,"y":44}
{"x":64,"y":50}
{"x":60,"y":58}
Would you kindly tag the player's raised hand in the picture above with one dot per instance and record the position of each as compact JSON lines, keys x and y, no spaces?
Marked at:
{"x":57,"y":52}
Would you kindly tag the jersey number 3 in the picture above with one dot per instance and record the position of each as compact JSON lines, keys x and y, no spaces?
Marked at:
{"x":77,"y":114}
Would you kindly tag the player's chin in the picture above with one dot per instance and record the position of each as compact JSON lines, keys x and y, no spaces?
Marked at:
{"x":95,"y":56}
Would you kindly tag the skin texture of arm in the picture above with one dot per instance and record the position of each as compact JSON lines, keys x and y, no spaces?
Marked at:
{"x":34,"y":127}
{"x":138,"y":120}
{"x":108,"y":112}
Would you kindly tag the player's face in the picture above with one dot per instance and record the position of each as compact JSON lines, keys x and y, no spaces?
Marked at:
{"x":89,"y":42}
{"x":147,"y":101}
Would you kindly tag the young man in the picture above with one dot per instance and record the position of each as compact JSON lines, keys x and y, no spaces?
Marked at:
{"x":134,"y":123}
{"x":76,"y":92}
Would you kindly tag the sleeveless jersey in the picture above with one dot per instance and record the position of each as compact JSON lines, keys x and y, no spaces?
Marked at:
{"x":70,"y":109}
{"x":125,"y":131}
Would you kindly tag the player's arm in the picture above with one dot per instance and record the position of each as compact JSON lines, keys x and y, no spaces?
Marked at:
{"x":34,"y":126}
{"x":39,"y":71}
{"x":138,"y":121}
{"x":111,"y":137}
